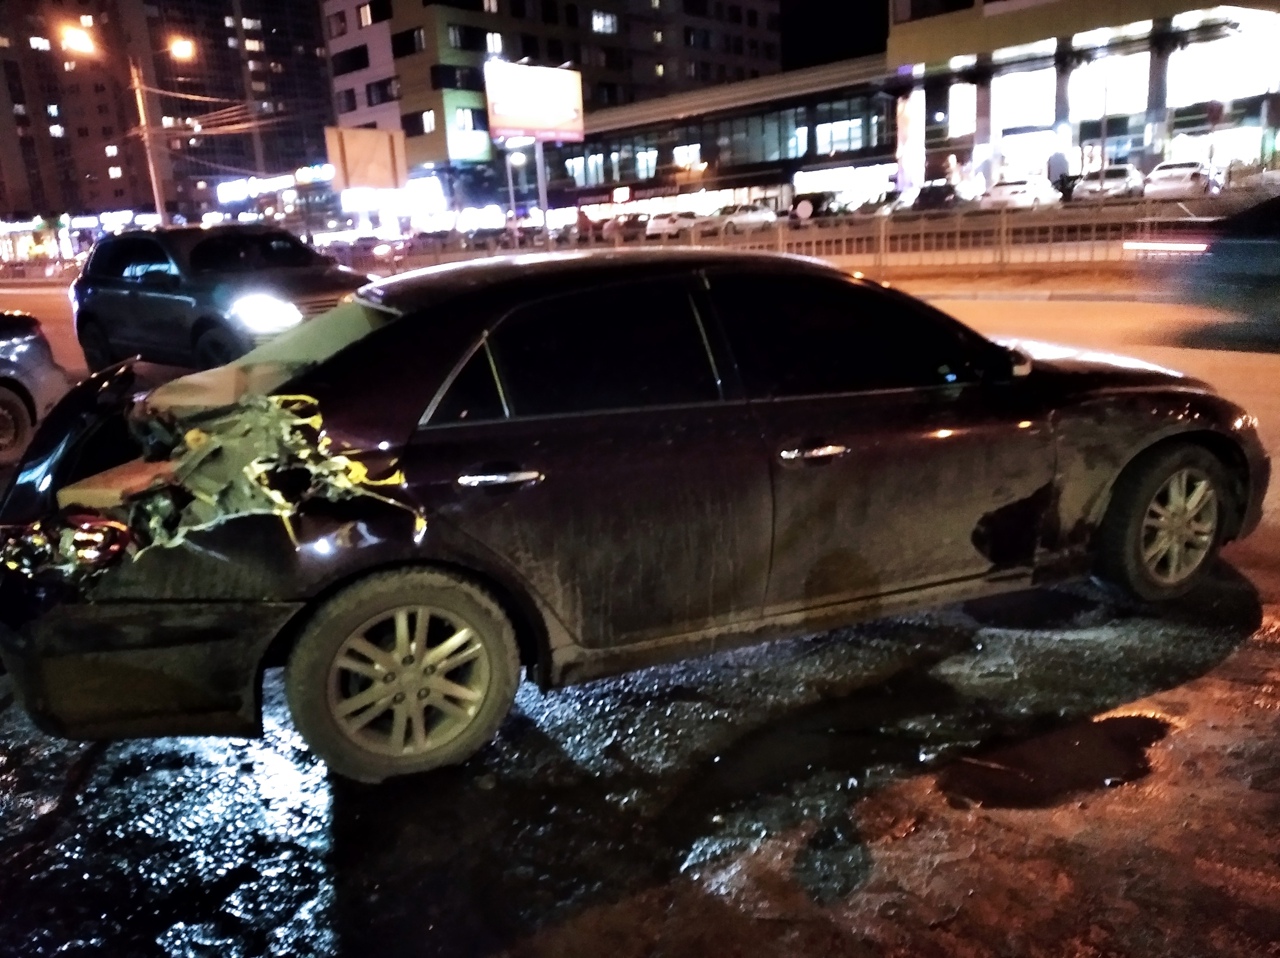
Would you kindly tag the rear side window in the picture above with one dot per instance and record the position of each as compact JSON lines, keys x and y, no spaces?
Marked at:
{"x":473,"y":395}
{"x":627,"y":346}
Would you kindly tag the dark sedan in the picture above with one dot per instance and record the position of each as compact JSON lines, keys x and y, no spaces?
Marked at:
{"x":199,"y":297}
{"x":578,"y":465}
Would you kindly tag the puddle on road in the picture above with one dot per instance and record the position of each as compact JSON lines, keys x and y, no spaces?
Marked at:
{"x":1042,"y":772}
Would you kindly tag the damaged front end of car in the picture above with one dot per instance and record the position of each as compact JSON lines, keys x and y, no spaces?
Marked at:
{"x":151,"y":550}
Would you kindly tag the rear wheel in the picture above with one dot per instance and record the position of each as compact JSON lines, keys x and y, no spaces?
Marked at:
{"x":403,"y":672}
{"x":216,"y":347}
{"x":1165,"y":523}
{"x":97,"y":349}
{"x":15,"y":426}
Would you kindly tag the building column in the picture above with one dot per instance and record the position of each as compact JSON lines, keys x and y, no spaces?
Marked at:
{"x":1157,"y":126}
{"x":984,"y":159}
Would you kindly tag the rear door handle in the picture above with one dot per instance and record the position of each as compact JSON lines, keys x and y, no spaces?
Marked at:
{"x":814,"y":453}
{"x":489,"y":480}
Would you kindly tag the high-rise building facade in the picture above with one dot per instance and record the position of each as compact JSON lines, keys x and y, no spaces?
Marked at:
{"x":419,"y":67}
{"x":233,"y":88}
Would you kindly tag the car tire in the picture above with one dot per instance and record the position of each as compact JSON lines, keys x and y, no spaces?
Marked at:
{"x":15,"y":426}
{"x":367,"y":638}
{"x":1164,"y":525}
{"x":730,"y":229}
{"x":216,"y":347}
{"x":95,"y":345}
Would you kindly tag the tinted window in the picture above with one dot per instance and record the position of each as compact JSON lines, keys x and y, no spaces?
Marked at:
{"x":146,"y":257}
{"x":617,"y":347}
{"x":238,"y":252}
{"x":472,"y":396}
{"x":805,"y":336}
{"x":109,"y":259}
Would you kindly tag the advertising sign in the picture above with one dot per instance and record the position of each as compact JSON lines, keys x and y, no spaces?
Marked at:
{"x":542,"y":102}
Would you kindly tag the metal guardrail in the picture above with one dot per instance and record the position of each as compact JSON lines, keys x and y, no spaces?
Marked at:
{"x":1085,"y":232}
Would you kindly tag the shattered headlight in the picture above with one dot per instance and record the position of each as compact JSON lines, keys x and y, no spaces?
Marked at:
{"x":261,"y":313}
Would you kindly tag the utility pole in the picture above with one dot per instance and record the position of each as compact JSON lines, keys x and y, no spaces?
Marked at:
{"x":157,"y":193}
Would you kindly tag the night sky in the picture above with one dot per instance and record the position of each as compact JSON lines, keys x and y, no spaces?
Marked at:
{"x":822,"y":31}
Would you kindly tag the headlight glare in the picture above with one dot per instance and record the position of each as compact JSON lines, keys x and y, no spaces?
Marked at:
{"x":262,"y":313}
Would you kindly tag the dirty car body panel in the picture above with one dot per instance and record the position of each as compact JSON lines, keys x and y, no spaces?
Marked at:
{"x":504,"y":421}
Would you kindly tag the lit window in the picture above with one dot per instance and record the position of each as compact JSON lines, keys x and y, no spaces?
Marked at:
{"x":251,"y":24}
{"x":602,"y":22}
{"x":254,"y":46}
{"x":57,"y":130}
{"x":688,"y":156}
{"x":659,"y":69}
{"x":229,"y":21}
{"x":364,"y":13}
{"x":40,"y":43}
{"x":657,"y":36}
{"x":428,"y":121}
{"x":257,"y":86}
{"x":166,"y":121}
{"x":52,"y":109}
{"x":493,"y":42}
{"x":468,"y":119}
{"x":68,"y":65}
{"x":115,"y":172}
{"x":233,"y":43}
{"x":112,"y":150}
{"x":19,"y":109}
{"x":4,"y":41}
{"x":201,"y":185}
{"x":490,"y":6}
{"x":86,"y":20}
{"x":656,"y":4}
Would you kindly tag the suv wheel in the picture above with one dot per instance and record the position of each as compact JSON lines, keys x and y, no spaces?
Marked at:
{"x":402,"y":672}
{"x":95,"y":345}
{"x":216,"y":347}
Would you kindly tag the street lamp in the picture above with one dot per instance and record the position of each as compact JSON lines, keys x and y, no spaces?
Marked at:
{"x":78,"y":40}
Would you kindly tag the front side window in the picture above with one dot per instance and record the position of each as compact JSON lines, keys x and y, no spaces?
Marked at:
{"x":146,"y":256}
{"x":629,"y":346}
{"x":812,"y":336}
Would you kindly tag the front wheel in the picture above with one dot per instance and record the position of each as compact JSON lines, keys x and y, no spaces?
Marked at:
{"x":1165,"y":523}
{"x":94,"y":344}
{"x":402,"y":672}
{"x":15,"y":426}
{"x":216,"y":347}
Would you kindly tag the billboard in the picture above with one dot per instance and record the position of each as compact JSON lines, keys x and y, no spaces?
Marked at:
{"x":362,"y":157}
{"x":542,"y":102}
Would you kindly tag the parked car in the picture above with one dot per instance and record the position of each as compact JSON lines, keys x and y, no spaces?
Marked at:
{"x":670,"y":225}
{"x":939,"y":195}
{"x":1028,"y":194}
{"x":1182,"y":181}
{"x":197,"y":297}
{"x":576,"y":465}
{"x":31,"y":381}
{"x":1123,"y":180}
{"x":626,"y":228}
{"x":742,"y":218}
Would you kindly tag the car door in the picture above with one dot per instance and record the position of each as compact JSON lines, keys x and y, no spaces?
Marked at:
{"x":157,"y":319}
{"x":611,"y":476}
{"x":104,"y":292}
{"x":898,"y":461}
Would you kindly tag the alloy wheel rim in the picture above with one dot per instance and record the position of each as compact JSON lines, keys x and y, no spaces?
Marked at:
{"x":1180,"y":526}
{"x":408,"y":681}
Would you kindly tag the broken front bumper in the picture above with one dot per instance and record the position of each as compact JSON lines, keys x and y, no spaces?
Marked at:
{"x":121,"y":669}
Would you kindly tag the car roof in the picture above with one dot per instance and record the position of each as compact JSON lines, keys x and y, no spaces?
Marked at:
{"x":411,"y":291}
{"x":184,"y":238}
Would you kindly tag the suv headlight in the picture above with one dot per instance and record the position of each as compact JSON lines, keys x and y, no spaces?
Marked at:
{"x":262,"y":313}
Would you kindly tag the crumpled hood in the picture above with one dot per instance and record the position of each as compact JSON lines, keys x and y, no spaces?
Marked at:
{"x":1088,"y":369}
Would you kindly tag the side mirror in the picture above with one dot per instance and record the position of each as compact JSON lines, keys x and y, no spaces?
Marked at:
{"x":1020,"y":363}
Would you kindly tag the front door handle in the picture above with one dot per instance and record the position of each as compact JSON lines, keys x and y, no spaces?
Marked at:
{"x":814,"y":453}
{"x":489,"y":480}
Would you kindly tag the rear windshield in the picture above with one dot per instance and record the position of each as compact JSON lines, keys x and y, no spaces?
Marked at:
{"x":1012,"y":183}
{"x":1113,"y":173}
{"x":1177,"y":166}
{"x":242,"y":252}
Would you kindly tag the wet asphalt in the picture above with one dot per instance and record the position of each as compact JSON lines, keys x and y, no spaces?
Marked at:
{"x":595,"y":797}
